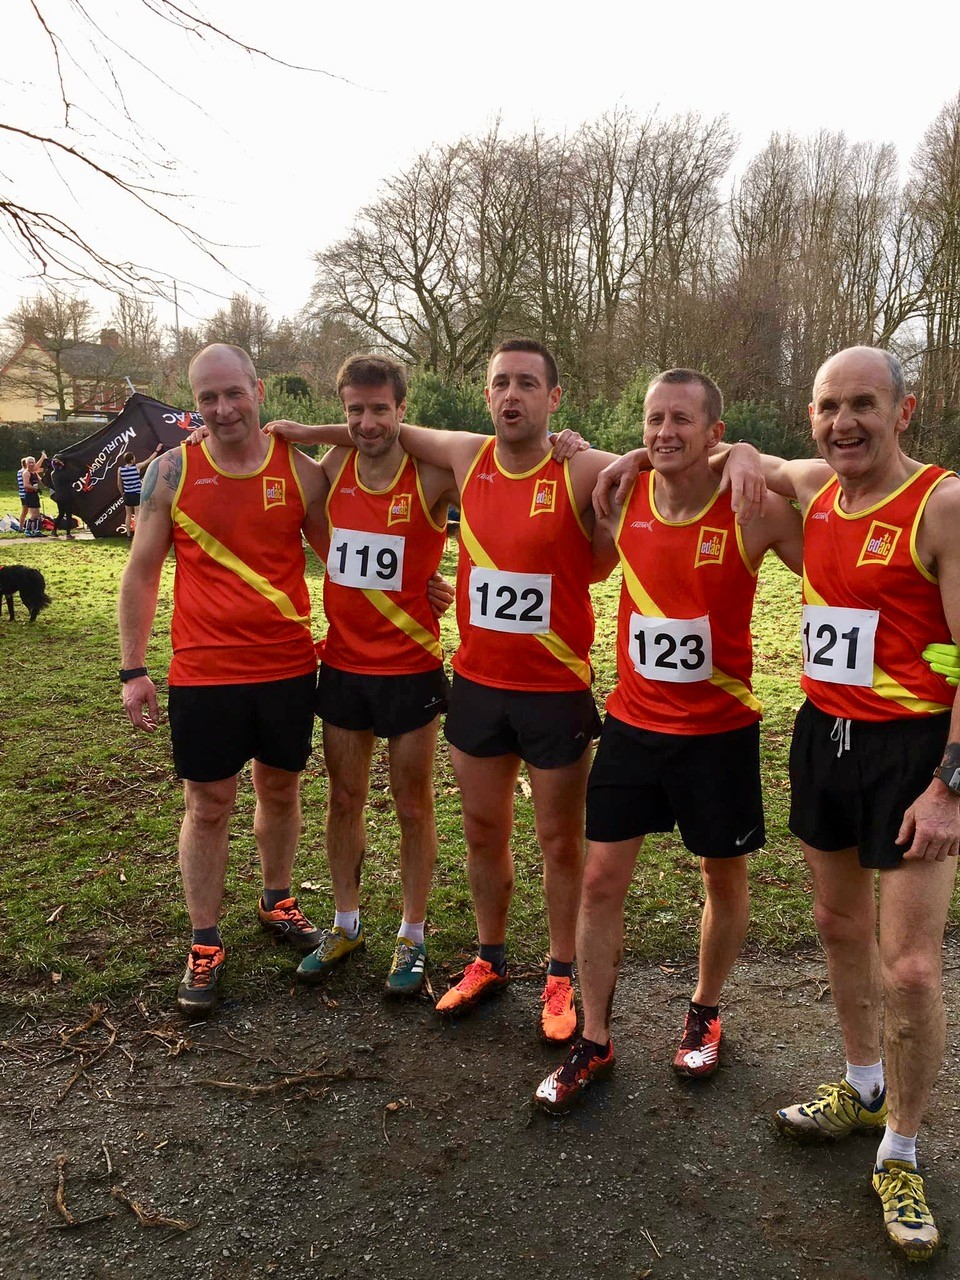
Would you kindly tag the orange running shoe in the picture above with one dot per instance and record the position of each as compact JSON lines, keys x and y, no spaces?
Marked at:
{"x":197,"y":993}
{"x":699,"y":1051}
{"x":479,"y":980}
{"x":287,"y":923}
{"x":558,"y":1017}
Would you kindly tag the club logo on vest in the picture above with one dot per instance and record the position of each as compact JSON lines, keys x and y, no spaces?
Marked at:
{"x":711,"y":544}
{"x":274,"y":492}
{"x":544,"y":498}
{"x":401,"y":505}
{"x":880,"y":544}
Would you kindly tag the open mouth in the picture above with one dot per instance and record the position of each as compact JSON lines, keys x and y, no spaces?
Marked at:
{"x":511,"y":415}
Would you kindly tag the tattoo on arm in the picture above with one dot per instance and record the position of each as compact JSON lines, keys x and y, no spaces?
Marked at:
{"x":172,"y":470}
{"x":149,"y":482}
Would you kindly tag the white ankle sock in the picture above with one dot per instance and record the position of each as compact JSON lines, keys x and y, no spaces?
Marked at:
{"x":412,"y":932}
{"x":894,"y":1146}
{"x":867,"y":1080}
{"x":348,"y":921}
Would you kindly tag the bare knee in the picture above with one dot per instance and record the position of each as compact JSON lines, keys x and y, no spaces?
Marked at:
{"x":840,"y":928}
{"x":414,"y":806}
{"x":208,"y":807}
{"x":345,"y":799}
{"x":602,"y":890}
{"x":912,"y":976}
{"x":725,"y":880}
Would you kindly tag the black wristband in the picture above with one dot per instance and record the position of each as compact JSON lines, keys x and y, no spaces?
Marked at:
{"x":131,"y":673}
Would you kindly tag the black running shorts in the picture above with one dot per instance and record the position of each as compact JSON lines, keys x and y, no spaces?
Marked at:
{"x":546,"y":730}
{"x":851,"y":781}
{"x":387,"y":705}
{"x":215,"y":729}
{"x":32,"y":501}
{"x":131,"y":499}
{"x":706,"y":784}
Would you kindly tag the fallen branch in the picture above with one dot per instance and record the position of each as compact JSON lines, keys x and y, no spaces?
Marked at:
{"x":277,"y":1086}
{"x":85,"y":1066}
{"x":149,"y":1217}
{"x":60,"y":1200}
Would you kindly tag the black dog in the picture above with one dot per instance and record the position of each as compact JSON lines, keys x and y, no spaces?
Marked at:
{"x":29,"y":583}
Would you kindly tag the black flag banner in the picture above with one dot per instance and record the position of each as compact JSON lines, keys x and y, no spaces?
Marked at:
{"x":138,"y":429}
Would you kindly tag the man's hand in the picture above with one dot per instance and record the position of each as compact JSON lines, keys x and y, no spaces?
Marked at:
{"x":440,"y":594}
{"x":944,"y":659}
{"x":743,"y":476}
{"x":287,"y":430}
{"x":198,"y":434}
{"x":932,"y":825}
{"x":619,"y":475}
{"x":567,"y":443}
{"x":140,"y":703}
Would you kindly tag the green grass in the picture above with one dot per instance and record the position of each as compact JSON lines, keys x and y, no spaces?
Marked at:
{"x":90,"y":897}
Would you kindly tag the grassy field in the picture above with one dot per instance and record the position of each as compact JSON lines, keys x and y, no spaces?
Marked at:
{"x":90,"y":891}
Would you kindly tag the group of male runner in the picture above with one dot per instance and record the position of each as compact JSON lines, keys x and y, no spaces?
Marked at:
{"x":680,"y":742}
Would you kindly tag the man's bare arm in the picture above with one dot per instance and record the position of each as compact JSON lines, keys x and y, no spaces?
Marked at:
{"x":931,"y":826}
{"x":140,"y":583}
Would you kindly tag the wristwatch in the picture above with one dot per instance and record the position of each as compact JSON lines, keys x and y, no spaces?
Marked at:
{"x":949,"y":775}
{"x":131,"y":673}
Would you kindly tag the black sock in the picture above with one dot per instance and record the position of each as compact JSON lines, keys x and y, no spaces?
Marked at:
{"x":272,"y":896}
{"x":495,"y":955}
{"x":705,"y":1011}
{"x":207,"y":937}
{"x":560,"y":969}
{"x":600,"y":1050}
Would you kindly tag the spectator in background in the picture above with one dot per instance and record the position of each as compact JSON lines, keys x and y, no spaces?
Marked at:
{"x":130,"y":483}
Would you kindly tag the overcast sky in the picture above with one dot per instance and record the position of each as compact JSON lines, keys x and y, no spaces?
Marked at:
{"x":275,"y":163}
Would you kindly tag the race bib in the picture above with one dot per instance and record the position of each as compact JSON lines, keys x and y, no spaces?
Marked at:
{"x":514,"y":602}
{"x":673,"y":650}
{"x":838,"y":644}
{"x":368,"y":561}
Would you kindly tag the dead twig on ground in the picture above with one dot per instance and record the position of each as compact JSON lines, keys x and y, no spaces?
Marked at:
{"x":304,"y":1079}
{"x":149,"y":1217}
{"x":60,"y":1200}
{"x":649,"y":1239}
{"x":86,"y":1065}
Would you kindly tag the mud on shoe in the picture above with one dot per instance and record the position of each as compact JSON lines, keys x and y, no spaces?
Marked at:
{"x":478,"y":981}
{"x":909,"y":1224}
{"x":563,"y":1088}
{"x":335,"y":946}
{"x":198,"y":992}
{"x":408,"y":970}
{"x":287,"y":923}
{"x":836,"y":1112}
{"x":698,"y":1054}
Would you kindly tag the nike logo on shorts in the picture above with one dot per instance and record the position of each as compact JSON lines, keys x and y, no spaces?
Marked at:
{"x":742,"y":840}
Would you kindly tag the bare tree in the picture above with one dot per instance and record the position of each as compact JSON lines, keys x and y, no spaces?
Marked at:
{"x":49,"y":329}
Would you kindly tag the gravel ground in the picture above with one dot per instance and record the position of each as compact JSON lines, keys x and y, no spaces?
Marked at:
{"x":328,"y":1134}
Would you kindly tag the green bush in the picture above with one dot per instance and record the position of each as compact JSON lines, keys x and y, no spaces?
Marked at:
{"x":431,"y":402}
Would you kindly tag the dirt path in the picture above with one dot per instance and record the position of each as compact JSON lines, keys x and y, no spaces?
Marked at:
{"x":308,"y":1139}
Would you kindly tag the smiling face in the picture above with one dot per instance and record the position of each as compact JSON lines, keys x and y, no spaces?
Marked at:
{"x":677,"y":430}
{"x":519,"y":396}
{"x":856,"y":415}
{"x":227,"y":396}
{"x":373,"y":418}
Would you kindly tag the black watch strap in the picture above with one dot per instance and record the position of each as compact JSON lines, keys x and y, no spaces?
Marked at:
{"x":131,"y":673}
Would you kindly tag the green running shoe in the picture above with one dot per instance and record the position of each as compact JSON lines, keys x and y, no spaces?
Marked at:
{"x":836,"y":1112}
{"x":408,"y":969}
{"x":334,"y":947}
{"x":909,"y":1224}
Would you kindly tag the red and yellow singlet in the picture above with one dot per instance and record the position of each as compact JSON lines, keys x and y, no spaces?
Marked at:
{"x":384,"y":547}
{"x":870,"y":607}
{"x":684,"y":650}
{"x":523,"y":579}
{"x":241,"y":610}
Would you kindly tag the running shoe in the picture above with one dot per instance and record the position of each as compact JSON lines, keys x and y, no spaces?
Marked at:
{"x":558,"y":1017}
{"x":479,"y":980}
{"x":334,"y":947}
{"x":197,"y":993}
{"x":563,"y":1087}
{"x":287,"y":923}
{"x":699,"y":1051}
{"x":909,"y":1224}
{"x":408,"y":969}
{"x":836,"y":1112}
